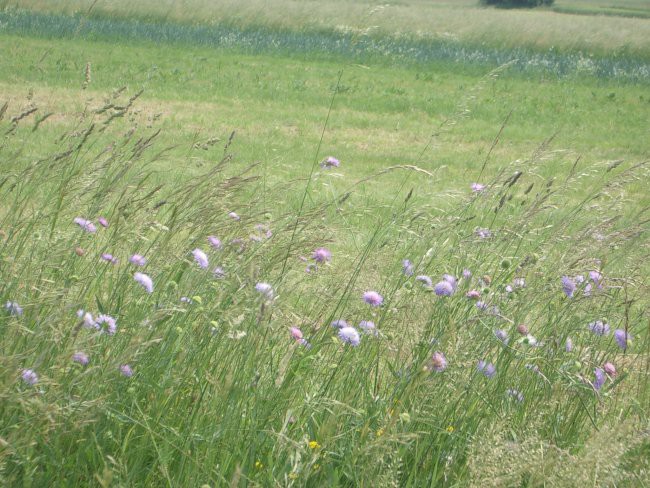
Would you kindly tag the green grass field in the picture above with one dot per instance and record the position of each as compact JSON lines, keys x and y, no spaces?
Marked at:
{"x":164,"y":117}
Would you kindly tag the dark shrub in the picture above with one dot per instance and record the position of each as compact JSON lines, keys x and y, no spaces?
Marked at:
{"x":517,"y":3}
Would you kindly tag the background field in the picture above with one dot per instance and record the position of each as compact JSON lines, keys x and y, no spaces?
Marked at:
{"x":418,"y":100}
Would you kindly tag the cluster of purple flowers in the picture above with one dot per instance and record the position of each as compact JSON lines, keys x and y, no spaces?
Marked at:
{"x":81,"y":358}
{"x":623,"y":338}
{"x":477,"y":187}
{"x":138,"y":260}
{"x":145,"y":281}
{"x":515,"y":394}
{"x":373,"y":298}
{"x":201,"y":258}
{"x":86,"y":225}
{"x":29,"y":376}
{"x":103,"y":323}
{"x":109,"y":258}
{"x":570,"y":285}
{"x":407,"y":267}
{"x":330,"y":162}
{"x":350,"y":335}
{"x":599,"y":328}
{"x":13,"y":308}
{"x":266,"y":290}
{"x":488,"y":369}
{"x":438,"y":362}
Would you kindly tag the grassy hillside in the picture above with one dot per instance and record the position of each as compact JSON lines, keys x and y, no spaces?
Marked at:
{"x":461,"y":20}
{"x":510,"y":349}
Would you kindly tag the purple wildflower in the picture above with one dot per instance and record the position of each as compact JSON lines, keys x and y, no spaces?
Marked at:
{"x":373,"y":298}
{"x":215,"y":242}
{"x":425,"y":280}
{"x":109,"y":258}
{"x":569,"y":286}
{"x":596,"y":277}
{"x":477,"y":187}
{"x":467,"y":274}
{"x":451,"y":280}
{"x":368,"y":327}
{"x":622,"y":338}
{"x":438,"y":362}
{"x":219,"y":272}
{"x":265,"y":289}
{"x":187,"y":300}
{"x":502,"y":335}
{"x":126,"y":370}
{"x":508,"y":289}
{"x":483,"y":233}
{"x":234,"y":216}
{"x":86,"y":225}
{"x":296,"y":333}
{"x":321,"y":255}
{"x":599,"y":328}
{"x":81,"y":358}
{"x":599,"y":378}
{"x":610,"y":369}
{"x":488,"y":369}
{"x":473,"y":294}
{"x":443,"y":288}
{"x":145,"y":281}
{"x":14,"y":309}
{"x":407,"y":267}
{"x":339,"y":324}
{"x":305,"y":343}
{"x":103,"y":222}
{"x":519,"y":283}
{"x":350,"y":336}
{"x":29,"y":376}
{"x":330,"y":162}
{"x":200,"y":257}
{"x":516,"y":394}
{"x":568,"y":345}
{"x":138,"y":260}
{"x":88,"y":320}
{"x":111,"y":324}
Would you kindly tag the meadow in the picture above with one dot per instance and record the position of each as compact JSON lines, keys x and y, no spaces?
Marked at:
{"x":324,"y":244}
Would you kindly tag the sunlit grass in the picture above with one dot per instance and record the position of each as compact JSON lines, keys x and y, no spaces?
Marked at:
{"x":461,"y":20}
{"x":166,"y":141}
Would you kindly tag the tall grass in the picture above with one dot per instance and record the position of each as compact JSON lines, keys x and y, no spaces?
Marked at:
{"x":594,"y":31}
{"x":348,"y":44}
{"x":222,"y":394}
